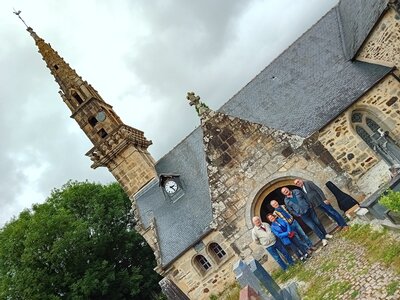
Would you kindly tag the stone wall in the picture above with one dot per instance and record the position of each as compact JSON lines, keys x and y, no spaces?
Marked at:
{"x":243,"y":159}
{"x":196,"y":282}
{"x":383,"y":44}
{"x":345,"y":145}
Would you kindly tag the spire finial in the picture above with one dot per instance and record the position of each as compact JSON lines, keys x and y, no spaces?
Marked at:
{"x":202,"y":109}
{"x":18,"y":14}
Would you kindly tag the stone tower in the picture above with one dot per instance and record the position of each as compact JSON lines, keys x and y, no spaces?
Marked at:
{"x":120,"y":148}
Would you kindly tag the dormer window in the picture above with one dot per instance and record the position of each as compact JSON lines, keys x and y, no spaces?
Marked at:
{"x":56,"y":67}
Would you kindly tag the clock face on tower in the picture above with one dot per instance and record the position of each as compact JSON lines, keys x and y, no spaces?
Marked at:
{"x":101,"y":116}
{"x":170,"y":186}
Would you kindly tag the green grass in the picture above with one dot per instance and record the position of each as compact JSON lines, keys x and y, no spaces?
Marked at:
{"x":354,"y":294}
{"x":379,"y":245}
{"x":293,"y":271}
{"x":392,"y":287}
{"x":329,"y":265}
{"x":231,"y":293}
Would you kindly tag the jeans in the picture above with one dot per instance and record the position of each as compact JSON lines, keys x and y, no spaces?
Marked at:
{"x":312,"y":221}
{"x":298,"y":247}
{"x":301,"y":234}
{"x":273,"y":250}
{"x":333,"y":213}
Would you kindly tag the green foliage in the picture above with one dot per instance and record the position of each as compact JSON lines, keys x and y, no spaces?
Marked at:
{"x":79,"y":244}
{"x":391,"y":200}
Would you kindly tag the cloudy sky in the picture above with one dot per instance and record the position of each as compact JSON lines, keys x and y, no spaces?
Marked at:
{"x":142,"y":57}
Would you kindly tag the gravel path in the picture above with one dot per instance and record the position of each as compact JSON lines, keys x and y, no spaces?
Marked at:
{"x":346,"y":271}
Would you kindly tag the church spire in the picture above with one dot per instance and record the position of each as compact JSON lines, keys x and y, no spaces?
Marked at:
{"x":120,"y":148}
{"x":65,"y":76}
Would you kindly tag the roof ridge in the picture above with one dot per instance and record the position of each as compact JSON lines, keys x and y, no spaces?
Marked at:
{"x":342,"y":41}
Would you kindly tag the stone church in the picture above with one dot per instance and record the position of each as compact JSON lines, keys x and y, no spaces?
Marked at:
{"x":327,"y":108}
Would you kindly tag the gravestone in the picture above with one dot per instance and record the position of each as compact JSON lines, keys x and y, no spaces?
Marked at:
{"x":171,"y":290}
{"x":246,"y":277}
{"x":254,"y":275}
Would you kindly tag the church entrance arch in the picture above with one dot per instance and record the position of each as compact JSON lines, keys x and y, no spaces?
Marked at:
{"x":272,"y":191}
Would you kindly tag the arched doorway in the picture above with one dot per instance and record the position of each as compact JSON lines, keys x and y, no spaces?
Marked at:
{"x":270,"y":192}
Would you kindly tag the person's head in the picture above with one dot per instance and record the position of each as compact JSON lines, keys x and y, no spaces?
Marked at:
{"x":285,"y":191}
{"x":394,"y":169}
{"x":271,"y":218}
{"x":256,"y":221}
{"x":274,"y":204}
{"x":298,"y":182}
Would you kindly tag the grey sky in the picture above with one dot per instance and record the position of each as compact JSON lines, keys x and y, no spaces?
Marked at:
{"x":142,"y":57}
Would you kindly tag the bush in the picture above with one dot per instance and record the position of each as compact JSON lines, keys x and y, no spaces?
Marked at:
{"x":391,"y":200}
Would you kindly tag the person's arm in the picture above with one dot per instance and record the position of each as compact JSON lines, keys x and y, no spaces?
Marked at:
{"x":255,"y":237}
{"x":319,"y":191}
{"x":288,"y":228}
{"x":277,"y":231}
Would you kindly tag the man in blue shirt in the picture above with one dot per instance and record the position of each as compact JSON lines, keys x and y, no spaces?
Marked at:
{"x":296,"y":203}
{"x":282,"y":212}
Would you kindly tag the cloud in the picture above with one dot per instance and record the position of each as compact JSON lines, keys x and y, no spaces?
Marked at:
{"x":142,"y":57}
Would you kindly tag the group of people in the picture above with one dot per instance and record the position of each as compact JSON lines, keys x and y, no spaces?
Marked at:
{"x":283,"y":232}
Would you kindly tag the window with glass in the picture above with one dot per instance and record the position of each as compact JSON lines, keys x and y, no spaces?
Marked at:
{"x":203,"y":263}
{"x":217,"y":251}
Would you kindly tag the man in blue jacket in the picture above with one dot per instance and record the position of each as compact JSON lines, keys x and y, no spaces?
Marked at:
{"x":296,"y":203}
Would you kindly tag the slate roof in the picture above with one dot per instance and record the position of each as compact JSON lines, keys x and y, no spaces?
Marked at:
{"x":357,"y":18}
{"x":308,"y":85}
{"x":302,"y":90}
{"x":181,"y":223}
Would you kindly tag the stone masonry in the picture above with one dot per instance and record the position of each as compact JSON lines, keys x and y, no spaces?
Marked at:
{"x":383,"y":45}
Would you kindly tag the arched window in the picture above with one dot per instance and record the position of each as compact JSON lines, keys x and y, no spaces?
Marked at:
{"x":217,"y":252}
{"x":376,"y":137}
{"x":202,"y":263}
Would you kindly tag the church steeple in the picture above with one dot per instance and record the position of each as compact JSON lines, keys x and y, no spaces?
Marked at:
{"x":65,"y":76}
{"x":120,"y":148}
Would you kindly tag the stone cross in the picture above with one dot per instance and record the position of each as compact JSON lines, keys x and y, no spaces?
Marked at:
{"x":253,"y":274}
{"x":202,"y":109}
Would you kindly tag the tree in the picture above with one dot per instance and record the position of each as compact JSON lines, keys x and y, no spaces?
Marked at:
{"x":79,"y":244}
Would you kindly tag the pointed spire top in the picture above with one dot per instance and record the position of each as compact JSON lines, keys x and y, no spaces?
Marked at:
{"x":18,"y":14}
{"x":202,"y":109}
{"x":28,"y":28}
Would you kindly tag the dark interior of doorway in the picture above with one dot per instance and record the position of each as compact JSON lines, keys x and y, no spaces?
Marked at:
{"x":266,"y":208}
